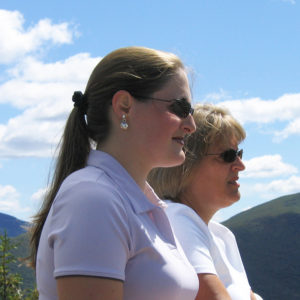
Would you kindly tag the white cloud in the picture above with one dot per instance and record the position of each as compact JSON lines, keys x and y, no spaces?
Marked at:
{"x":285,"y":109}
{"x":267,"y":166}
{"x":256,"y":110}
{"x":16,"y":41}
{"x":75,"y":69}
{"x":39,"y":195}
{"x":290,"y":1}
{"x":292,"y":128}
{"x":44,"y":93}
{"x":278,"y":188}
{"x":34,"y":82}
{"x":41,"y":91}
{"x":212,"y":97}
{"x":9,"y":201}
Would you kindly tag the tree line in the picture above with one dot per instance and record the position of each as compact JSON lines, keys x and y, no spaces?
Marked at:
{"x":11,"y":283}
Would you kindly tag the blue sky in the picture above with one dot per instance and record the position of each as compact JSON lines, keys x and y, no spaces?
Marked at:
{"x":245,"y":55}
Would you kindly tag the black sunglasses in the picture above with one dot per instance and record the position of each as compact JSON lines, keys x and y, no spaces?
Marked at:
{"x":229,"y":155}
{"x":179,"y":107}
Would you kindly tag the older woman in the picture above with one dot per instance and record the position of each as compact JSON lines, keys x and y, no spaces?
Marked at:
{"x":205,"y":183}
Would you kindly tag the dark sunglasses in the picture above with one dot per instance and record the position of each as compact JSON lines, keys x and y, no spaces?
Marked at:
{"x":229,"y":155}
{"x":179,"y":107}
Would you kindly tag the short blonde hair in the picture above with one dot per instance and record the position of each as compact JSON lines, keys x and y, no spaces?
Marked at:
{"x":214,"y":125}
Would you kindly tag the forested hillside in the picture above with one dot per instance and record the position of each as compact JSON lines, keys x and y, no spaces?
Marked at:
{"x":268,"y":236}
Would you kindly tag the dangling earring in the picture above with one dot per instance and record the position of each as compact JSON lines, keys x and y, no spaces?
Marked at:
{"x":123,"y":123}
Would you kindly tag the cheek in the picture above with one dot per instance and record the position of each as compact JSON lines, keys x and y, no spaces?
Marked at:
{"x":166,"y":125}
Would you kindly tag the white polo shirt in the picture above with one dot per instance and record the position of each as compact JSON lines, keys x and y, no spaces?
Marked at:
{"x":102,"y":224}
{"x":210,"y":249}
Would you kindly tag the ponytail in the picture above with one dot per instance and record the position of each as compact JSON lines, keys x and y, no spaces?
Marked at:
{"x":73,"y":153}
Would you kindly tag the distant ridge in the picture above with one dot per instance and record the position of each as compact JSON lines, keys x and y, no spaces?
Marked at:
{"x":273,"y":208}
{"x":12,"y":225}
{"x":268,"y":236}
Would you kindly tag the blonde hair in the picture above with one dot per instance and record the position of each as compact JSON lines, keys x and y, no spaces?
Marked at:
{"x":214,"y":125}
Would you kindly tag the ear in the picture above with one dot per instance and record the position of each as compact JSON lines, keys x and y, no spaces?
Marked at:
{"x":121,"y":103}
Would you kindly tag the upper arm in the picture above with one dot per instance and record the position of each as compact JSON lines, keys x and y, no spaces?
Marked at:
{"x":194,"y":238}
{"x":211,"y":287}
{"x":92,"y":288}
{"x":254,"y":296}
{"x":89,"y":234}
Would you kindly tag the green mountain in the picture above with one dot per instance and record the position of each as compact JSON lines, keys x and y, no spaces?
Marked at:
{"x":268,"y":236}
{"x":12,"y":225}
{"x":16,"y":230}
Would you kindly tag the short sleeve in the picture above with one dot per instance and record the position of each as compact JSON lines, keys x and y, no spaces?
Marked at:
{"x":192,"y":235}
{"x":89,"y":232}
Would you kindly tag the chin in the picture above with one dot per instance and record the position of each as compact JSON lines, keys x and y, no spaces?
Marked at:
{"x":236,"y":198}
{"x":179,"y":160}
{"x":231,"y":200}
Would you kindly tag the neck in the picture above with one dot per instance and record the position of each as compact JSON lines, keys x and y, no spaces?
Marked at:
{"x":202,"y":209}
{"x":130,"y":161}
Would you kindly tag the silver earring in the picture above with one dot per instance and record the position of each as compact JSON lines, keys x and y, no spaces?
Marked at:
{"x":123,"y":123}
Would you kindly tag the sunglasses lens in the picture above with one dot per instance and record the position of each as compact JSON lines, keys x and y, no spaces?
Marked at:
{"x":240,"y":154}
{"x":231,"y":155}
{"x":181,"y":108}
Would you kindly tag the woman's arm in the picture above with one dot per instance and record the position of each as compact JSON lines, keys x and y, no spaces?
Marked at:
{"x":92,"y":288}
{"x":252,"y":296}
{"x":211,"y":287}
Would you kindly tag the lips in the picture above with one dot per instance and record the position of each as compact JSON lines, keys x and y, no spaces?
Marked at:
{"x":234,"y":181}
{"x":179,"y":140}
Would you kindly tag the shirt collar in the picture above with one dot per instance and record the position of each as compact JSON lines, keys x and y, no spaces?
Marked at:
{"x":140,"y":201}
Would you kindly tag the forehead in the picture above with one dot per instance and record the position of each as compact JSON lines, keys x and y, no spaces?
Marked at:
{"x":224,"y":144}
{"x":176,"y":87}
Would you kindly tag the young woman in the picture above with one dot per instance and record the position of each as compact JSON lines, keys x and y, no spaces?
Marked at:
{"x":102,"y":232}
{"x":205,"y":183}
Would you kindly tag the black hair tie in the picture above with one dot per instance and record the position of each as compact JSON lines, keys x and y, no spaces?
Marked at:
{"x":79,"y":100}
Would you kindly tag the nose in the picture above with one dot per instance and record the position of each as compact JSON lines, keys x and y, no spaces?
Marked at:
{"x":238,"y":164}
{"x":189,"y":125}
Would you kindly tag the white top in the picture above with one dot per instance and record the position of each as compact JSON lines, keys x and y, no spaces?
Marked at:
{"x":102,"y":224}
{"x":210,"y":249}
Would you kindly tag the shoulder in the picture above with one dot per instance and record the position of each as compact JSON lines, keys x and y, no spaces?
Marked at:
{"x":221,"y":231}
{"x":218,"y":226}
{"x":178,"y":209}
{"x":93,"y":195}
{"x":83,"y":205}
{"x":181,"y":213}
{"x":187,"y":225}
